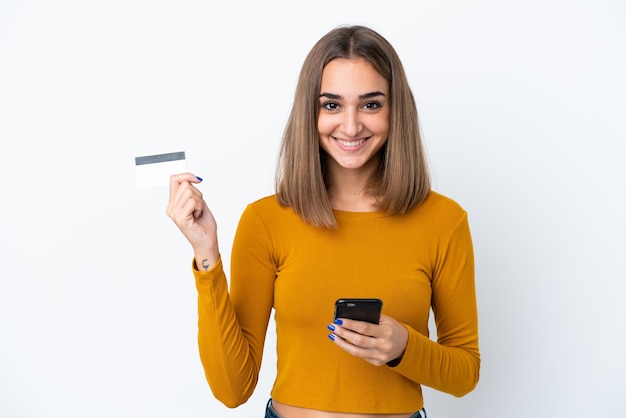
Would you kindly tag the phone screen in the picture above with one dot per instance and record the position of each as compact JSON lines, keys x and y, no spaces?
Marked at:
{"x":360,"y":309}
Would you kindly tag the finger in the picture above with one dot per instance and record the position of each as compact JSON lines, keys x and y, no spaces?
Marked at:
{"x":188,"y":204}
{"x":177,"y":179}
{"x":360,"y":327}
{"x":181,"y":192}
{"x":384,"y":318}
{"x":182,"y":207}
{"x":354,"y":338}
{"x":199,"y":209}
{"x":370,"y":354}
{"x":346,"y":345}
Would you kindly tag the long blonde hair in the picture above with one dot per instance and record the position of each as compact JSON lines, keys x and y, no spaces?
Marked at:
{"x":402,"y":181}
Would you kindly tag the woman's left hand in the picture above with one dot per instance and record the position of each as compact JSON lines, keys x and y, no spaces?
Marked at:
{"x":377,"y":344}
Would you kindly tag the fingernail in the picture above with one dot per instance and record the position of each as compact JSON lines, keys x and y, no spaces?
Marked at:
{"x":331,"y":327}
{"x":331,"y":336}
{"x":338,"y":322}
{"x":199,"y":178}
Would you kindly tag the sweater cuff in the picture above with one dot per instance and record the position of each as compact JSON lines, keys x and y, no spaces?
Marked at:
{"x":406,"y":364}
{"x":217,"y":270}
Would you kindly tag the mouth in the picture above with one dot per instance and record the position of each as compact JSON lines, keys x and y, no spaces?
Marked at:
{"x":350,"y":144}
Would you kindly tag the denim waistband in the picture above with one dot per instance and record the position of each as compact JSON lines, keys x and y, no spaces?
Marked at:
{"x":270,"y":412}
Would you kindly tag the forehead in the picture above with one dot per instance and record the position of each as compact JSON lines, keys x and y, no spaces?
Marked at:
{"x":352,"y":76}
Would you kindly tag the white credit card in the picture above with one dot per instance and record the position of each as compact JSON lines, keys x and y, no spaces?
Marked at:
{"x":155,"y":170}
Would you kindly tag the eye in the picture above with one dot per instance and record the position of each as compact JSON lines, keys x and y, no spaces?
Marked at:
{"x":372,"y":105}
{"x":330,"y":105}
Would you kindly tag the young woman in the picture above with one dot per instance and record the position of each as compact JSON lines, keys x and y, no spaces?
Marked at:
{"x":353,"y":216}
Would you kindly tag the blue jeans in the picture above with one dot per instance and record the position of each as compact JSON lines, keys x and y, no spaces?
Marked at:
{"x":271,"y":412}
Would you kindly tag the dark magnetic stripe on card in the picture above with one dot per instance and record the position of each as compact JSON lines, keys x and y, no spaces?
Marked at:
{"x":160,"y":158}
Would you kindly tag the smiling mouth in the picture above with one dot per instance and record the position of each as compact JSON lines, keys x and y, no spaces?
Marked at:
{"x":350,"y":144}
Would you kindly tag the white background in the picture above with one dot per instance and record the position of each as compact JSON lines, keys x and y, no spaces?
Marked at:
{"x":522,"y":107}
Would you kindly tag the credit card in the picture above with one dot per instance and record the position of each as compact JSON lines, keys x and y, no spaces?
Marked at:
{"x":155,"y":170}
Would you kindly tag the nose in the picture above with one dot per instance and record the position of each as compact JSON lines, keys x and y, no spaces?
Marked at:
{"x":351,"y":123}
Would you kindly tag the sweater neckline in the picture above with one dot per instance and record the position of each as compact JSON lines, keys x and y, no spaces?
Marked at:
{"x":347,"y":215}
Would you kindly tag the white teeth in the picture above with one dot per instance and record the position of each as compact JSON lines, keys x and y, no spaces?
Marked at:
{"x":350,"y":143}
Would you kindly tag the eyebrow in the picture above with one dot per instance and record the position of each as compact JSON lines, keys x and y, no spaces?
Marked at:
{"x":362,"y":96}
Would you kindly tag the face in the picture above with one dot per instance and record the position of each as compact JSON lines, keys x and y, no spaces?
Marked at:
{"x":353,"y":121}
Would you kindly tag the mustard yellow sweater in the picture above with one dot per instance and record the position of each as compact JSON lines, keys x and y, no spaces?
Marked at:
{"x":412,"y":262}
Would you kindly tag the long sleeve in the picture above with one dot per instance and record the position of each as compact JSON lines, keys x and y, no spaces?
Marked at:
{"x":452,"y":363}
{"x":412,"y":262}
{"x":232,"y":327}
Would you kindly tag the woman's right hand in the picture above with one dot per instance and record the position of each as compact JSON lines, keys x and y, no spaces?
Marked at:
{"x":192,"y":216}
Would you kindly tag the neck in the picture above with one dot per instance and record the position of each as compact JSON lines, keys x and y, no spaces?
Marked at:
{"x":347,"y":190}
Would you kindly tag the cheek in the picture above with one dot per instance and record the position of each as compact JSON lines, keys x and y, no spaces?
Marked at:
{"x":380,"y":125}
{"x":324,"y":125}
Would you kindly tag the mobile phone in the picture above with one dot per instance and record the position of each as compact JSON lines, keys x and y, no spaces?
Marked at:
{"x":360,"y":309}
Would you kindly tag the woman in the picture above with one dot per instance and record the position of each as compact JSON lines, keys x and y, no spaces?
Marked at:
{"x":353,"y":216}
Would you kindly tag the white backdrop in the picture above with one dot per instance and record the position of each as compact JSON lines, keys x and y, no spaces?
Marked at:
{"x":522,"y":107}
